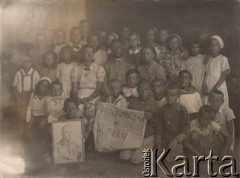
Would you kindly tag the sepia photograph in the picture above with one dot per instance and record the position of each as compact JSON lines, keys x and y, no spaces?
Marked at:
{"x":119,"y":88}
{"x":68,"y":142}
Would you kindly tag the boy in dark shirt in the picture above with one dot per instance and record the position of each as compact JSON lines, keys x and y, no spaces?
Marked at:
{"x":172,"y":124}
{"x":146,"y":103}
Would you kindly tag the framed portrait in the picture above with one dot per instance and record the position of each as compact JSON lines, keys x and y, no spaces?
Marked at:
{"x":68,"y":142}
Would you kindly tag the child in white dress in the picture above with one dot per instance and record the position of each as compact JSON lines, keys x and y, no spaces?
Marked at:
{"x":217,"y":69}
{"x":64,"y":70}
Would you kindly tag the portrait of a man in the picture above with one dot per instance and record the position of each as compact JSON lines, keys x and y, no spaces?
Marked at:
{"x":67,"y":142}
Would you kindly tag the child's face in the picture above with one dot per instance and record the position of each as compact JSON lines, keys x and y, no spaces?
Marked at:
{"x":216,"y":101}
{"x":133,"y":41}
{"x":27,"y":64}
{"x":115,"y":89}
{"x":172,"y":96}
{"x":44,"y":88}
{"x":144,"y":91}
{"x":76,"y":36}
{"x":150,"y":36}
{"x":174,"y":44}
{"x":147,"y":55}
{"x":195,"y":49}
{"x":88,"y":55}
{"x":132,"y":79}
{"x":57,"y":90}
{"x":59,"y":37}
{"x":94,"y":42}
{"x":71,"y":110}
{"x":214,"y":47}
{"x":117,"y":49}
{"x":50,"y":59}
{"x":163,"y":35}
{"x":158,"y":88}
{"x":67,"y":55}
{"x":185,"y":79}
{"x":125,"y":33}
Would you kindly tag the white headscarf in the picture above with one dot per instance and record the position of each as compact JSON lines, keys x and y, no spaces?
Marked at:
{"x":219,"y":39}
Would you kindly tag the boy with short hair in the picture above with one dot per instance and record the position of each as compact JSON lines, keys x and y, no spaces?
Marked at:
{"x":116,"y":97}
{"x":158,"y":89}
{"x":146,"y":103}
{"x":55,"y":102}
{"x":24,"y":84}
{"x":207,"y":135}
{"x":172,"y":126}
{"x":224,"y":115}
{"x":130,"y":90}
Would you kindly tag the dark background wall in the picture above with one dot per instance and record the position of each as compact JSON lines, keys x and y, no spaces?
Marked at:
{"x":189,"y":18}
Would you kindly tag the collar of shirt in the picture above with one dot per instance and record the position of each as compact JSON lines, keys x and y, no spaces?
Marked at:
{"x":134,"y":51}
{"x":88,"y":68}
{"x":29,"y":72}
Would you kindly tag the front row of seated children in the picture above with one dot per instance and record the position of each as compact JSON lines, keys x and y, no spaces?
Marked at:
{"x":168,"y":123}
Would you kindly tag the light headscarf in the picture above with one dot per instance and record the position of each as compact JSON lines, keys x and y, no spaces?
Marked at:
{"x":219,"y":39}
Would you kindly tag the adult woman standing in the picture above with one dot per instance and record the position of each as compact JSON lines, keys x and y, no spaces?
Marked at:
{"x":87,"y":78}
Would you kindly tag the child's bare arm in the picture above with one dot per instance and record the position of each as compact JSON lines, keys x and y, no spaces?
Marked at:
{"x":228,"y":136}
{"x":222,"y":79}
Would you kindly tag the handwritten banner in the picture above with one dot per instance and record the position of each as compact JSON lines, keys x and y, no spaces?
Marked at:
{"x":116,"y":128}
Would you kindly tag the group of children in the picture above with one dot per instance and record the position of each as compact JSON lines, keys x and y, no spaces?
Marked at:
{"x":182,"y":92}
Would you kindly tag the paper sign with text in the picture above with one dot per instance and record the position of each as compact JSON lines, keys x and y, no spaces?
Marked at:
{"x":116,"y":128}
